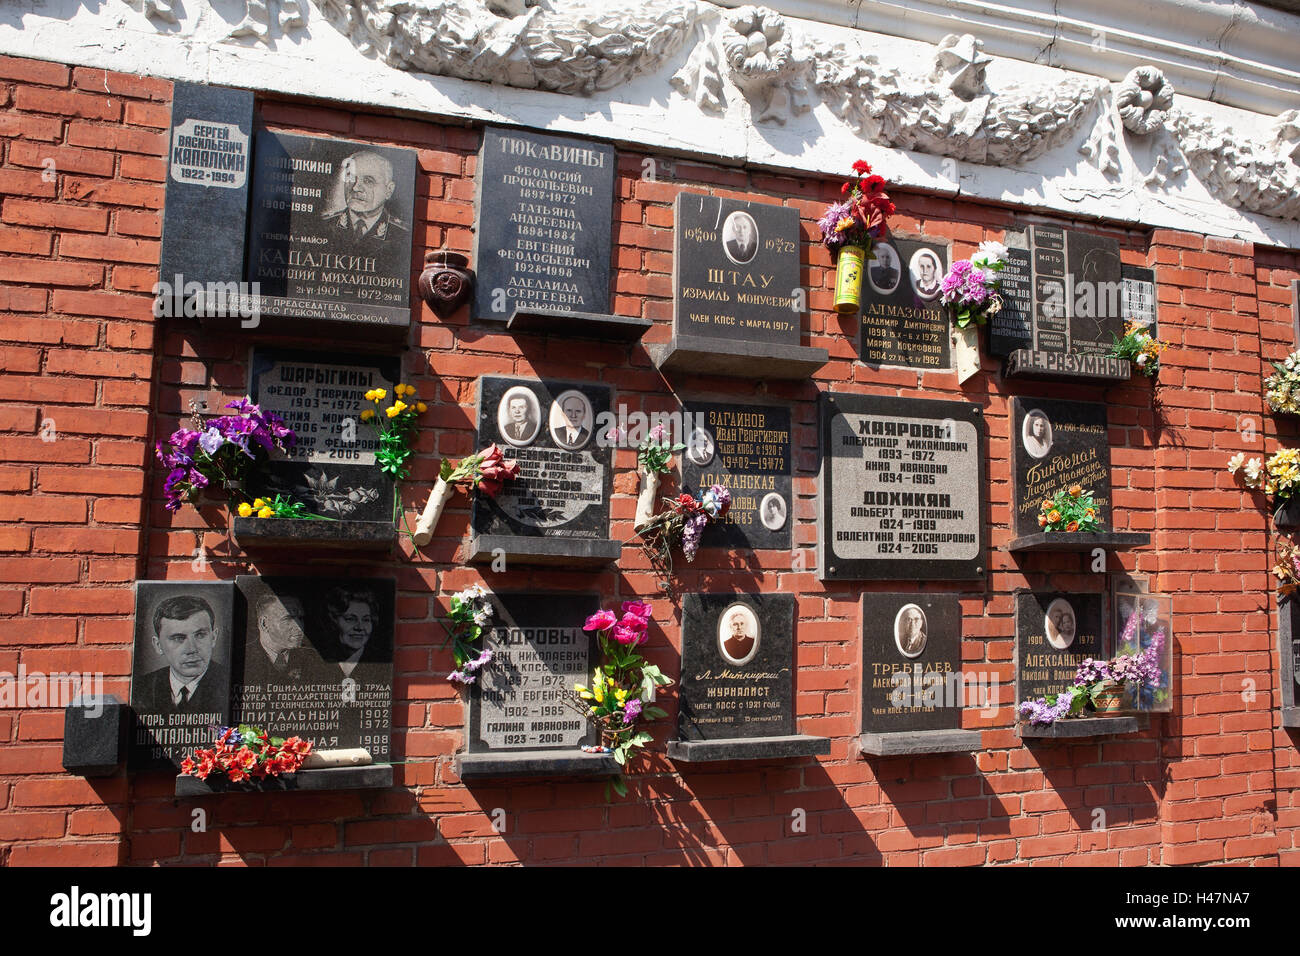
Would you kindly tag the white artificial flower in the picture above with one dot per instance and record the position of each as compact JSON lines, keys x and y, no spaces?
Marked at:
{"x":1141,"y":359}
{"x":1253,"y":469}
{"x":1235,"y":462}
{"x":989,"y":253}
{"x":1290,"y":362}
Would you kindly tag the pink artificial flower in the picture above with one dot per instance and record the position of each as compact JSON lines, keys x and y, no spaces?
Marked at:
{"x":600,"y":621}
{"x":628,"y":637}
{"x":639,"y":608}
{"x":633,"y":623}
{"x":657,"y":432}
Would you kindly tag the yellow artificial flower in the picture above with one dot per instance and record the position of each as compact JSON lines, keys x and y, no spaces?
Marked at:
{"x":259,"y":503}
{"x":245,"y":509}
{"x":380,"y":394}
{"x":266,"y":513}
{"x":391,"y":411}
{"x":368,"y":414}
{"x":421,"y":407}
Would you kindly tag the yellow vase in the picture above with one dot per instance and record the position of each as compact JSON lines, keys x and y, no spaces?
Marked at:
{"x":848,"y":278}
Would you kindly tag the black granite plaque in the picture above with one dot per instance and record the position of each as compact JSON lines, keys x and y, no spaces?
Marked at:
{"x":1139,"y":297}
{"x":911,"y":662}
{"x":539,"y":652}
{"x":545,"y":209}
{"x":332,"y":468}
{"x":330,"y":231}
{"x":206,"y":208}
{"x":555,"y":431}
{"x":1012,"y":326}
{"x":1054,"y":633}
{"x":1095,"y":291}
{"x":737,"y":666}
{"x":1055,"y":445}
{"x":903,"y":321}
{"x":315,"y":660}
{"x":737,"y":270}
{"x":180,"y":677}
{"x":747,"y":449}
{"x":1027,"y":363}
{"x":902,"y":488}
{"x":1047,"y":256}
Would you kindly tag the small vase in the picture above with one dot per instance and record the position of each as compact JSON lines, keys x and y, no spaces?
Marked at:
{"x":1109,"y":699}
{"x":966,"y":351}
{"x":848,"y":279}
{"x":1287,"y":514}
{"x":446,"y":282}
{"x":442,"y":493}
{"x":645,"y":499}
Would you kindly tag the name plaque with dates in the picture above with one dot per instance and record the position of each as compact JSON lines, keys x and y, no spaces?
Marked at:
{"x":902,"y":484}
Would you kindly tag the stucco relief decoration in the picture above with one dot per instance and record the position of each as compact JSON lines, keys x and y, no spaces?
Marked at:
{"x":1261,"y":177}
{"x":950,"y":112}
{"x":1143,"y":100}
{"x":760,"y":56}
{"x":260,"y":14}
{"x":155,"y":9}
{"x":564,"y":46}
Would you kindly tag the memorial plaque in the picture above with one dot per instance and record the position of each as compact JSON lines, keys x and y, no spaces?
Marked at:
{"x":206,"y":207}
{"x":545,"y":218}
{"x":332,"y":468}
{"x":1142,"y":619}
{"x":911,"y":662}
{"x":330,"y":231}
{"x":903,"y":321}
{"x":180,"y":675}
{"x":316,"y":660}
{"x":1054,"y":633}
{"x":737,"y":666}
{"x":554,"y":430}
{"x":737,"y":268}
{"x":1139,"y":297}
{"x":1055,"y":445}
{"x":539,"y":651}
{"x":1095,"y":292}
{"x":902,"y":489}
{"x":1047,"y":256}
{"x":1067,"y":365}
{"x":747,"y":449}
{"x":1012,"y":326}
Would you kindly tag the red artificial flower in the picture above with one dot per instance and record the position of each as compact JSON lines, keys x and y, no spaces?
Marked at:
{"x":845,"y":188}
{"x":861,"y":167}
{"x":495,"y":471}
{"x":873,"y":185}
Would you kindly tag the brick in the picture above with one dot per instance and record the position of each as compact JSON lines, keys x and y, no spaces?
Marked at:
{"x":110,"y":364}
{"x":39,"y":630}
{"x":67,"y":103}
{"x":39,"y":570}
{"x":25,"y":242}
{"x":43,"y":272}
{"x":113,"y":193}
{"x":49,"y":332}
{"x":28,"y":126}
{"x":66,"y":159}
{"x":107,"y":305}
{"x":55,"y":215}
{"x":121,"y":84}
{"x":39,"y":72}
{"x":117,"y":138}
{"x":65,"y":853}
{"x":109,"y":249}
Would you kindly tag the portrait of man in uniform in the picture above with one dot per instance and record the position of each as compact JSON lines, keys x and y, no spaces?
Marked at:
{"x":738,"y":634}
{"x":884,"y":271}
{"x":365,"y":221}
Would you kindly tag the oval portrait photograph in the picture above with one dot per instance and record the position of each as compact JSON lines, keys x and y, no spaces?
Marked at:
{"x":1036,"y":434}
{"x":772,"y":511}
{"x":519,"y":416}
{"x":738,"y":635}
{"x":1059,"y":624}
{"x":700,"y":447}
{"x":910,"y":630}
{"x":740,"y":237}
{"x":571,"y":419}
{"x":926,"y":272}
{"x":886,"y":270}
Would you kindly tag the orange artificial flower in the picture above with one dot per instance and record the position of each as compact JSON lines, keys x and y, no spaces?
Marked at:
{"x":1072,"y":526}
{"x":1054,"y":517}
{"x":1075,"y":491}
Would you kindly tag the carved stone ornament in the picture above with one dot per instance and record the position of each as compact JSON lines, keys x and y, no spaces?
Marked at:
{"x":959,"y":64}
{"x":1143,"y":100}
{"x":760,"y":56}
{"x":1262,"y":177}
{"x":446,"y":282}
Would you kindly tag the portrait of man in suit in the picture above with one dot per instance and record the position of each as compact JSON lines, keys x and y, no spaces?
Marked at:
{"x":276,"y":655}
{"x":519,"y":416}
{"x":571,"y":420}
{"x":740,"y":237}
{"x":185,"y":632}
{"x":738,"y":634}
{"x":909,"y":630}
{"x":365,"y":222}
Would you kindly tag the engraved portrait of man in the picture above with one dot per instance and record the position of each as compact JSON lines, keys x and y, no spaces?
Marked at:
{"x":275,"y":655}
{"x":365,"y":186}
{"x":185,"y":633}
{"x":700,"y":447}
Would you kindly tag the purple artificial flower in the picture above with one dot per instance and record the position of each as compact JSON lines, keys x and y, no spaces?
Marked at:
{"x":632,"y":710}
{"x":691,"y":534}
{"x":461,"y":678}
{"x":479,"y":661}
{"x":830,"y":220}
{"x":211,"y":440}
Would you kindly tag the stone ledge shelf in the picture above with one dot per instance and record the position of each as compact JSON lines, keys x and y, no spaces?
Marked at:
{"x":563,"y":552}
{"x":719,"y":356}
{"x":370,"y":777}
{"x":588,"y":325}
{"x":748,"y":748}
{"x":919,"y":742}
{"x":95,"y":736}
{"x":309,"y":533}
{"x":536,"y":763}
{"x":1067,"y":367}
{"x":1080,"y":541}
{"x":1085,"y":727}
{"x":1291,"y":717}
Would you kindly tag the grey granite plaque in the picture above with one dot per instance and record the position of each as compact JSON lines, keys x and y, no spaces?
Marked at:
{"x":1055,"y":445}
{"x":555,"y":431}
{"x":315,"y":660}
{"x":903,"y":321}
{"x":1139,"y":297}
{"x":205,"y":213}
{"x":545,"y":216}
{"x":902,"y":488}
{"x":1054,"y":633}
{"x":330,"y":233}
{"x":748,"y":449}
{"x":539,"y":652}
{"x":1012,"y":326}
{"x":737,"y":270}
{"x":332,"y":468}
{"x":1095,"y":291}
{"x":180,"y":677}
{"x":911,"y":662}
{"x":737,"y":666}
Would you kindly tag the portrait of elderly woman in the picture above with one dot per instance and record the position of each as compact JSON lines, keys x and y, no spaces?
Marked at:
{"x":353,"y":637}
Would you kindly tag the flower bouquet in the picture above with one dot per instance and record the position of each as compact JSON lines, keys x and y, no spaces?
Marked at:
{"x":850,"y":227}
{"x":1099,"y":686}
{"x":279,"y":506}
{"x":1140,"y":348}
{"x":680,"y":525}
{"x":486,"y":471}
{"x":469,"y":613}
{"x":1069,"y":510}
{"x":224,"y":450}
{"x":970,"y":289}
{"x":1281,"y":388}
{"x":247,"y":753}
{"x":620,"y":698}
{"x":395,"y":426}
{"x":654,"y":458}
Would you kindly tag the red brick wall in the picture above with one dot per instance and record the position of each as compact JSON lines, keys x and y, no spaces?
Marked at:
{"x":83,"y":519}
